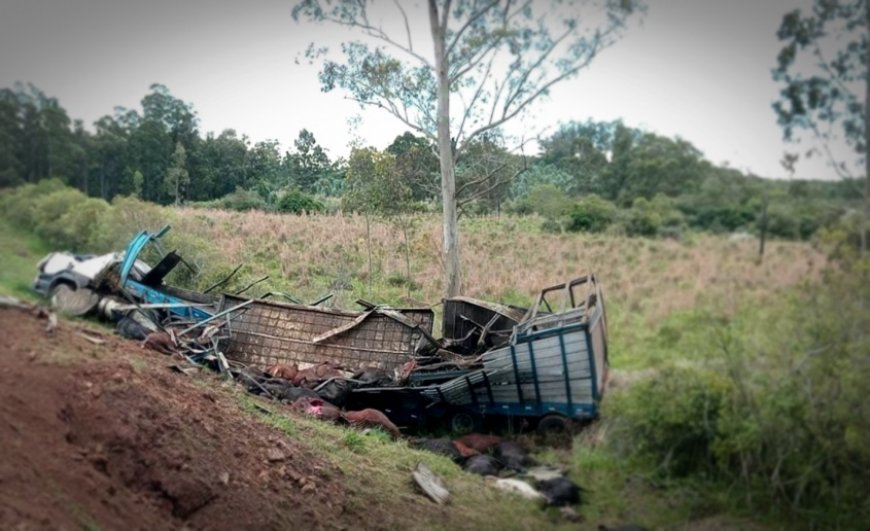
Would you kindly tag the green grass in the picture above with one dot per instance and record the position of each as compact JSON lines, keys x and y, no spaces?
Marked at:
{"x":19,"y":253}
{"x":377,"y":473}
{"x":667,"y":304}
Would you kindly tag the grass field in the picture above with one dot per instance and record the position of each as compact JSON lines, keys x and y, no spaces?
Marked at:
{"x":19,"y":253}
{"x":665,"y":300}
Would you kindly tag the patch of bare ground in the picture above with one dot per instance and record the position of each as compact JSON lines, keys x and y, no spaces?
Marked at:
{"x":104,"y":436}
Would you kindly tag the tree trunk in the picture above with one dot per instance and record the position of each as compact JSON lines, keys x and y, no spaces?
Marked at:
{"x":405,"y":229}
{"x":865,"y":225}
{"x":763,"y":237}
{"x":369,"y":248}
{"x":445,"y":154}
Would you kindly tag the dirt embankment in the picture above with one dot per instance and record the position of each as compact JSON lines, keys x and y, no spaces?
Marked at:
{"x":105,"y":436}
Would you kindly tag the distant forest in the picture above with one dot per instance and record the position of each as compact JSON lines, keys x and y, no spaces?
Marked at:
{"x":589,"y":176}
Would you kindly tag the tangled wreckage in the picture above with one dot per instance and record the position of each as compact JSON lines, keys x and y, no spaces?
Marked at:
{"x":543,"y":367}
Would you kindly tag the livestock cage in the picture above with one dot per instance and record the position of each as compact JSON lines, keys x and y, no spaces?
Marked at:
{"x":555,"y":362}
{"x":267,"y":332}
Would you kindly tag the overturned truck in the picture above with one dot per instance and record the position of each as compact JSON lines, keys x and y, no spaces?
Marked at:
{"x":552,"y":368}
{"x":544,"y":366}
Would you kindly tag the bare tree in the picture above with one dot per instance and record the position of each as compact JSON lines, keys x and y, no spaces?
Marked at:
{"x":490,"y":61}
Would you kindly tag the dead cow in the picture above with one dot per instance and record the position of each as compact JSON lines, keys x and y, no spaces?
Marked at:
{"x":483,"y":465}
{"x":560,"y":491}
{"x":371,"y":418}
{"x":442,"y":446}
{"x":481,"y":443}
{"x":283,"y":371}
{"x":465,"y":451}
{"x":162,"y":342}
{"x":512,"y":456}
{"x":317,"y":408}
{"x":314,"y":375}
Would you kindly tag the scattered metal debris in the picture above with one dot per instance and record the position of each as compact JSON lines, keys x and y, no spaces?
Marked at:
{"x":544,"y":366}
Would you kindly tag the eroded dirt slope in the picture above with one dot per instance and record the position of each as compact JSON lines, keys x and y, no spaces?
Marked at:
{"x":105,"y":436}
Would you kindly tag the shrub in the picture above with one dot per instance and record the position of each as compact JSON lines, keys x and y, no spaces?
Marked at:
{"x":669,"y":421}
{"x":79,"y":226}
{"x":297,"y":202}
{"x":18,"y":204}
{"x":773,"y":408}
{"x":243,"y":200}
{"x":651,"y":217}
{"x":782,"y":222}
{"x":591,"y":214}
{"x":520,"y":206}
{"x":126,"y":217}
{"x":548,"y":201}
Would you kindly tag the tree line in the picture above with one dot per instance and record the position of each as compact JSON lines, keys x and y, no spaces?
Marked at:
{"x":586,"y":176}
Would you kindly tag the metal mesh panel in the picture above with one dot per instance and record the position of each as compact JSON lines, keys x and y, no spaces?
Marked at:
{"x":265,"y":333}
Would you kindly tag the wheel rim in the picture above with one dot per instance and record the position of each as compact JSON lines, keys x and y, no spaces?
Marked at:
{"x":553,"y":425}
{"x":74,"y":302}
{"x":462,"y":423}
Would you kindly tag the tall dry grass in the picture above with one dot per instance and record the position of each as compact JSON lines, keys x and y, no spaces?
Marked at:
{"x":503,"y":259}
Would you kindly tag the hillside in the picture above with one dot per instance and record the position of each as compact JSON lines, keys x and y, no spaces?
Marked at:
{"x":102,"y":436}
{"x":676,"y":309}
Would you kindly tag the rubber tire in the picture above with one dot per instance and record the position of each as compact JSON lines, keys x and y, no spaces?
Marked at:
{"x":553,"y":424}
{"x":70,"y":301}
{"x":61,"y":289}
{"x":462,"y":423}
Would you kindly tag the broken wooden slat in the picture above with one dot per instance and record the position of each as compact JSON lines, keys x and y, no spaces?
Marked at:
{"x":431,"y":484}
{"x":12,"y":302}
{"x":341,"y":329}
{"x":92,"y":339}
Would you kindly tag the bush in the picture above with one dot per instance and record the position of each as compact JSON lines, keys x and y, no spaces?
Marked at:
{"x":591,"y":214}
{"x":79,"y":226}
{"x":773,"y":409}
{"x":125,"y":217}
{"x":243,"y":200}
{"x":18,"y":204}
{"x":652,"y":217}
{"x":520,"y":206}
{"x":548,"y":201}
{"x":296,"y":202}
{"x":669,"y":421}
{"x":782,"y":222}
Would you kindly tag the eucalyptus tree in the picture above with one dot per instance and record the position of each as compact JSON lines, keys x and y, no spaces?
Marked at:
{"x":824,"y":67}
{"x":485,"y":63}
{"x":177,"y":177}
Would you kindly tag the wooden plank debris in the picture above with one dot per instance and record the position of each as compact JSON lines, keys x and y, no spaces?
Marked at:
{"x":431,"y":484}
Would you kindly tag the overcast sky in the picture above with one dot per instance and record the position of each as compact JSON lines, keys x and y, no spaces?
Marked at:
{"x":698,"y":69}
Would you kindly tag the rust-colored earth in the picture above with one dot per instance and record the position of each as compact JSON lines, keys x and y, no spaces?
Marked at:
{"x":105,"y":436}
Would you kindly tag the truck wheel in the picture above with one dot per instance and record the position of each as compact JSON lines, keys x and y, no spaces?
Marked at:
{"x":553,"y":424}
{"x":70,"y":301}
{"x":463,"y":423}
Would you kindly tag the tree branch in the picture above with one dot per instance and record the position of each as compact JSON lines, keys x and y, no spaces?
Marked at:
{"x":390,"y":108}
{"x":477,"y":93}
{"x":483,"y":179}
{"x":534,"y":66}
{"x":445,"y":16}
{"x":495,"y":185}
{"x":841,"y":169}
{"x":477,"y":57}
{"x":474,"y":16}
{"x":377,"y":33}
{"x":407,"y":25}
{"x":508,"y":115}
